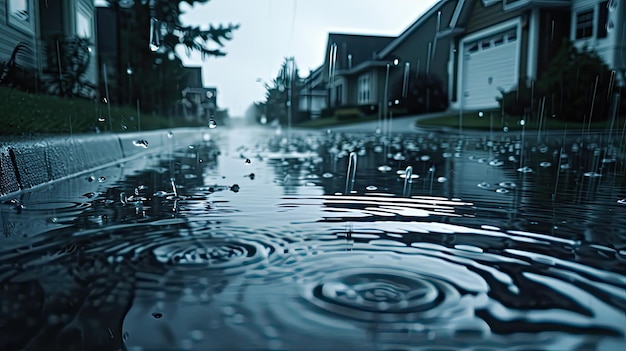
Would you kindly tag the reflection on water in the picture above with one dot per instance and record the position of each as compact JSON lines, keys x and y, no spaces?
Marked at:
{"x":428,"y":241}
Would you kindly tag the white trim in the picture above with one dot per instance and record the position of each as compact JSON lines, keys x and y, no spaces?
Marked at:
{"x":456,"y":14}
{"x":490,"y":2}
{"x":500,"y":27}
{"x":533,"y":44}
{"x":27,"y":25}
{"x":515,"y":5}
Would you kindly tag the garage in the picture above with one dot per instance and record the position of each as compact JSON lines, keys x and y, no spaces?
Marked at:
{"x":490,"y":63}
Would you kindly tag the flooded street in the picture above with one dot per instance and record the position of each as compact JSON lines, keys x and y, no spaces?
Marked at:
{"x":262,"y":239}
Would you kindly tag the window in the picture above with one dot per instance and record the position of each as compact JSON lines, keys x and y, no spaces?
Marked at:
{"x":584,"y":24}
{"x":603,"y":20}
{"x":338,"y":93}
{"x":20,"y":14}
{"x":363,"y":95}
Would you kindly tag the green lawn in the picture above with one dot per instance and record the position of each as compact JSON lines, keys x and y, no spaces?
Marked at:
{"x":493,"y":120}
{"x":27,"y":114}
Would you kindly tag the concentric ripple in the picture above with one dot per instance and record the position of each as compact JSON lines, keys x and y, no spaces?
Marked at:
{"x":383,"y":294}
{"x":369,"y":288}
{"x":218,"y":253}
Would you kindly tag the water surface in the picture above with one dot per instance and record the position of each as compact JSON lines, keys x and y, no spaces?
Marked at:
{"x":258,"y":240}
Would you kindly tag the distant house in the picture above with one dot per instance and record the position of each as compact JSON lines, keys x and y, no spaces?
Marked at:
{"x":408,"y":73}
{"x":313,"y":93}
{"x":199,"y":103}
{"x":498,"y":42}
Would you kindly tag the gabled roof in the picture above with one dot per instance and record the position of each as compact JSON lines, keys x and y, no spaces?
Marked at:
{"x":412,"y":28}
{"x":362,"y":48}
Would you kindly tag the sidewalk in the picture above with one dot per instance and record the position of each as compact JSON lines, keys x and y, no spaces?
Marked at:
{"x":28,"y":163}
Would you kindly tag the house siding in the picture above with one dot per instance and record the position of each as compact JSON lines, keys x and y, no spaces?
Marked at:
{"x":11,"y":36}
{"x":483,"y":17}
{"x":415,"y":49}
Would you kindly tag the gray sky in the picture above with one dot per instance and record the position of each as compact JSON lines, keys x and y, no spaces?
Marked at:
{"x":271,"y":30}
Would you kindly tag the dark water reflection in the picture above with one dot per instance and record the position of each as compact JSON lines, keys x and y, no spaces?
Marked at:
{"x":257,"y":246}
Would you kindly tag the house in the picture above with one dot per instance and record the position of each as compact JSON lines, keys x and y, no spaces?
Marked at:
{"x":407,"y":73}
{"x":199,"y":103}
{"x":313,"y":94}
{"x":38,"y":24}
{"x":19,"y":24}
{"x":497,"y":43}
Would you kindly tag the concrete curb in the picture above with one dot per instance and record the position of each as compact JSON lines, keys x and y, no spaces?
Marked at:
{"x":25,"y":164}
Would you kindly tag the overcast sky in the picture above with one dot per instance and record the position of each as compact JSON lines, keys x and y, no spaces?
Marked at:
{"x":271,"y":30}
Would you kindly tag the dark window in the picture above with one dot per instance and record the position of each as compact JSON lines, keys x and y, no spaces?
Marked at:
{"x":603,"y":19}
{"x":486,"y":44}
{"x":338,"y":90}
{"x":584,"y":24}
{"x":473,"y":47}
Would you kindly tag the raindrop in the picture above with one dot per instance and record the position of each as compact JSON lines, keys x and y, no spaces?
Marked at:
{"x":154,"y":35}
{"x":622,"y":201}
{"x":101,"y":119}
{"x":592,"y":174}
{"x":157,"y":315}
{"x":372,"y":188}
{"x":384,"y":168}
{"x":502,"y":191}
{"x":484,"y":185}
{"x":212,"y":123}
{"x":505,"y":129}
{"x":496,"y":163}
{"x":327,"y":175}
{"x":442,"y":179}
{"x":399,"y":157}
{"x":234,"y":188}
{"x":141,"y":143}
{"x":102,"y":179}
{"x":545,"y":164}
{"x":424,"y":158}
{"x":508,"y":185}
{"x":125,"y":336}
{"x":170,"y":135}
{"x":90,"y":179}
{"x":525,"y":169}
{"x":248,"y":161}
{"x":251,"y":175}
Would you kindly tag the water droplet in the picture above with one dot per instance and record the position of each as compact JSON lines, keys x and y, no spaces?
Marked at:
{"x":125,"y":336}
{"x":505,"y":129}
{"x":502,"y":191}
{"x":592,"y":174}
{"x":484,"y":185}
{"x":234,"y":188}
{"x":90,"y":179}
{"x":101,"y":119}
{"x":371,"y":188}
{"x":327,"y":175}
{"x":424,"y":158}
{"x":155,"y":34}
{"x":384,"y":168}
{"x":170,"y":134}
{"x":622,"y":201}
{"x":496,"y":163}
{"x":508,"y":185}
{"x":157,"y":315}
{"x":102,"y":179}
{"x":141,"y":143}
{"x":248,"y":161}
{"x":525,"y":169}
{"x":212,"y":123}
{"x":442,"y":179}
{"x":545,"y":164}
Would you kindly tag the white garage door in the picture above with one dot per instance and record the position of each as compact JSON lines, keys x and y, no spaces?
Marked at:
{"x":489,"y":64}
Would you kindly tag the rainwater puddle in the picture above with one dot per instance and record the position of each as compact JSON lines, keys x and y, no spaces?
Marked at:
{"x":250,"y":241}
